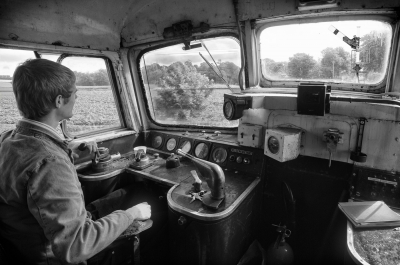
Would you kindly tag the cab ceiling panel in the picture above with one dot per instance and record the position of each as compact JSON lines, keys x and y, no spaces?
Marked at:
{"x":146,"y":23}
{"x":73,"y":23}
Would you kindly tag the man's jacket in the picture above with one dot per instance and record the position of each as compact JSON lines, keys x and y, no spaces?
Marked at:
{"x":42,"y":209}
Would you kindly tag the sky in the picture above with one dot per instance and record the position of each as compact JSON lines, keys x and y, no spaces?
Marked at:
{"x":281,"y":42}
{"x":222,"y":48}
{"x":10,"y":59}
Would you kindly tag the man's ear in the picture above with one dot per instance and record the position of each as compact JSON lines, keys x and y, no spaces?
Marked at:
{"x":58,"y":101}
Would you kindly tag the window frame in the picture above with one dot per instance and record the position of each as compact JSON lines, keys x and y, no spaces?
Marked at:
{"x":117,"y":97}
{"x":149,"y":48}
{"x":384,"y":16}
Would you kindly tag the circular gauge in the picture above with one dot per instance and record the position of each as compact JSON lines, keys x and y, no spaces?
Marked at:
{"x":273,"y":144}
{"x":186,"y":146}
{"x":219,"y":155}
{"x":156,"y":142}
{"x":201,"y":150}
{"x":171,"y":144}
{"x":228,"y":109}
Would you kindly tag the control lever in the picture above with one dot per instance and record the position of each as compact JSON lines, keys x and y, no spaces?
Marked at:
{"x":214,"y":176}
{"x":96,"y":158}
{"x":197,"y":181}
{"x":332,"y":138}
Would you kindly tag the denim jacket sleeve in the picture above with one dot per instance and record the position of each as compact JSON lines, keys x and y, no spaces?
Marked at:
{"x":56,"y":201}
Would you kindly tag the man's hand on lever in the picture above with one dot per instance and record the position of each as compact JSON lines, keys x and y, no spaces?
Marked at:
{"x":77,"y":146}
{"x":140,"y":211}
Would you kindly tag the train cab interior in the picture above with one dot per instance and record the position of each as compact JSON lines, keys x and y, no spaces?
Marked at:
{"x":243,"y":123}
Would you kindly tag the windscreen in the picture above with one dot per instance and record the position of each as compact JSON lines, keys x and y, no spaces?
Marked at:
{"x":344,"y":52}
{"x":185,"y":83}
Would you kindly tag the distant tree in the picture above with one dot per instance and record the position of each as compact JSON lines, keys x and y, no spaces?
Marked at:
{"x":335,"y":62}
{"x":206,"y":70}
{"x":230,"y":72}
{"x":83,"y":79}
{"x":153,"y":73}
{"x":275,"y":70}
{"x":183,"y":88}
{"x":300,"y":65}
{"x":373,"y":47}
{"x":100,"y":78}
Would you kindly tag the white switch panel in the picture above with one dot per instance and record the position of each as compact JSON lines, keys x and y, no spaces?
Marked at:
{"x":282,"y":144}
{"x":250,"y":135}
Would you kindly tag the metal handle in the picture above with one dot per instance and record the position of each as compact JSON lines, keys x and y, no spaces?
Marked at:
{"x":182,"y":220}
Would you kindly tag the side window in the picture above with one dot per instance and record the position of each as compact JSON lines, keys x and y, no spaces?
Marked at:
{"x":185,"y":83}
{"x":95,"y":108}
{"x":96,"y":105}
{"x":10,"y":59}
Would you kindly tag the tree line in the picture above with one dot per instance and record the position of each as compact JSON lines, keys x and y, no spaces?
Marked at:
{"x":156,"y":73}
{"x":98,"y":78}
{"x":184,"y":86}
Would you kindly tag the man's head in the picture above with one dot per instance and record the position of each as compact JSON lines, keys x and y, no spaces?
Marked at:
{"x":39,"y":85}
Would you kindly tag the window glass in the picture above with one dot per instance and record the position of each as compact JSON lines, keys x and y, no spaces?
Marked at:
{"x":95,"y":107}
{"x":50,"y":56}
{"x":9,"y":60}
{"x":321,"y":52}
{"x":185,"y":83}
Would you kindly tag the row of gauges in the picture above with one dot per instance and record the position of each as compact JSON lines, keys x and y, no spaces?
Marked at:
{"x":200,"y":149}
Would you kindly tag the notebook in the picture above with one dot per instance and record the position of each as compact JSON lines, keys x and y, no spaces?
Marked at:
{"x":370,"y":214}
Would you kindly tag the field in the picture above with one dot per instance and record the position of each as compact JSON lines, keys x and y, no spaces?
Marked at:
{"x":95,"y":109}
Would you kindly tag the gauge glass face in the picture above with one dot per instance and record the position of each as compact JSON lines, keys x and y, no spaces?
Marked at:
{"x":219,"y":155}
{"x":201,"y":150}
{"x":186,"y":146}
{"x":171,"y":144}
{"x":157,"y":141}
{"x":228,"y":109}
{"x":273,"y":144}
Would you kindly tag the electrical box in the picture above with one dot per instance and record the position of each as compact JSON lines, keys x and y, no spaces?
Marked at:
{"x":282,"y":144}
{"x":250,"y":135}
{"x":313,"y":99}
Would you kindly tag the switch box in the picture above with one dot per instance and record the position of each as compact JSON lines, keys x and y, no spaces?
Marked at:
{"x":282,"y":144}
{"x":250,"y":135}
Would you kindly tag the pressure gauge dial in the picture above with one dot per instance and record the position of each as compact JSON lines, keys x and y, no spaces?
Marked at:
{"x":273,"y":144}
{"x":156,"y":142}
{"x":219,"y":155}
{"x":186,"y":146}
{"x":171,"y":144}
{"x":201,"y":150}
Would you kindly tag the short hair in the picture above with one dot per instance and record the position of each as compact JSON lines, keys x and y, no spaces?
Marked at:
{"x":37,"y":83}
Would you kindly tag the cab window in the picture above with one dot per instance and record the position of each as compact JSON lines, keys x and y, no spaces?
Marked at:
{"x":185,"y":83}
{"x":95,"y":108}
{"x":326,"y":52}
{"x":10,"y":59}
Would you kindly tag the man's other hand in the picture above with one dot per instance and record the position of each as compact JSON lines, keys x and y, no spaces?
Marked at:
{"x":140,"y":211}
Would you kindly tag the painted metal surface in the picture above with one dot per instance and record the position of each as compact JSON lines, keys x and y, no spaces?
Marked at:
{"x":381,"y":140}
{"x":213,"y":242}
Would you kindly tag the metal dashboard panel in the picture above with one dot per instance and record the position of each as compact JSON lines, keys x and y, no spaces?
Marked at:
{"x":312,"y":142}
{"x":239,"y":158}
